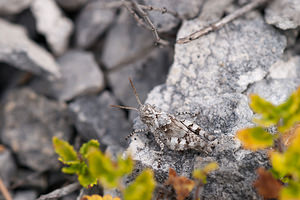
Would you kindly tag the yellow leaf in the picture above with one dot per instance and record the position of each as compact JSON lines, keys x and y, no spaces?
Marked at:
{"x":142,"y":187}
{"x":200,"y":174}
{"x":98,"y":197}
{"x":255,"y":138}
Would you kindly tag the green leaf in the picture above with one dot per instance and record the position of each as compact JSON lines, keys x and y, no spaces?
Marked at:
{"x":290,"y":111}
{"x":72,"y":169}
{"x":270,"y":115}
{"x":290,"y":192}
{"x":107,"y":171}
{"x":88,"y":146}
{"x":85,"y":178}
{"x":125,"y":166}
{"x":142,"y":187}
{"x":255,"y":138}
{"x":64,"y":150}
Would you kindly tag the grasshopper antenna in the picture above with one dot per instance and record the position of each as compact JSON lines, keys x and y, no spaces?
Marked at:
{"x":135,"y":93}
{"x":124,"y":107}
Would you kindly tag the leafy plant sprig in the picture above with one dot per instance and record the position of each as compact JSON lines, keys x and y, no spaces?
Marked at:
{"x":284,"y":151}
{"x":92,"y":167}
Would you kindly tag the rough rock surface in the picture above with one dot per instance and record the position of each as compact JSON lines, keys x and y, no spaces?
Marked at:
{"x":209,"y":76}
{"x":95,"y":119}
{"x":284,"y":14}
{"x":92,"y":21}
{"x":13,"y":6}
{"x":74,"y":64}
{"x":125,"y":40}
{"x":30,"y":122}
{"x":51,"y":22}
{"x":8,"y":167}
{"x":19,"y":51}
{"x":71,"y":4}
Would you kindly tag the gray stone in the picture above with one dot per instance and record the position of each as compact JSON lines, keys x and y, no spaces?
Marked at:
{"x":213,"y":59}
{"x":19,"y":51}
{"x":71,"y":4}
{"x":213,"y":10}
{"x":30,"y":122}
{"x":10,"y":77}
{"x":92,"y":21}
{"x":80,"y":75}
{"x":275,"y":90}
{"x":145,"y":74}
{"x":167,"y":22}
{"x":211,"y":76}
{"x":8,"y":167}
{"x":284,"y":14}
{"x":125,"y":40}
{"x":25,"y":195}
{"x":30,"y":179}
{"x":286,"y":68}
{"x":51,"y":22}
{"x":95,"y":119}
{"x":10,"y":7}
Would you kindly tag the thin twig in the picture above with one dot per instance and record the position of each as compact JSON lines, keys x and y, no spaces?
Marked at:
{"x":162,"y":10}
{"x":146,"y":18}
{"x":198,"y":187}
{"x":60,"y":192}
{"x":4,"y":191}
{"x":138,"y":11}
{"x":117,"y":4}
{"x":243,"y":10}
{"x":135,"y":16}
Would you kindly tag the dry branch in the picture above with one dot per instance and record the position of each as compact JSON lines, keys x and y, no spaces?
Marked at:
{"x":139,"y":13}
{"x":60,"y":192}
{"x":241,"y":11}
{"x":4,"y":191}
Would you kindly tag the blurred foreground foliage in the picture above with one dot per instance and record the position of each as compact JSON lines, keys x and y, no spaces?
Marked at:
{"x":283,"y":179}
{"x":92,"y":167}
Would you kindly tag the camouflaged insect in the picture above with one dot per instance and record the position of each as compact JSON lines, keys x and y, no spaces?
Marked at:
{"x":169,"y":131}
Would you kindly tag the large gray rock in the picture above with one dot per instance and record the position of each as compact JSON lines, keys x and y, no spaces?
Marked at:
{"x":8,"y":167}
{"x":30,"y":122}
{"x":10,"y":7}
{"x":51,"y":22}
{"x":95,"y":119}
{"x":167,"y":22}
{"x":284,"y":14}
{"x":19,"y":51}
{"x":210,"y":76}
{"x":71,"y":4}
{"x":226,"y":64}
{"x":80,"y":75}
{"x":125,"y":40}
{"x":92,"y":21}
